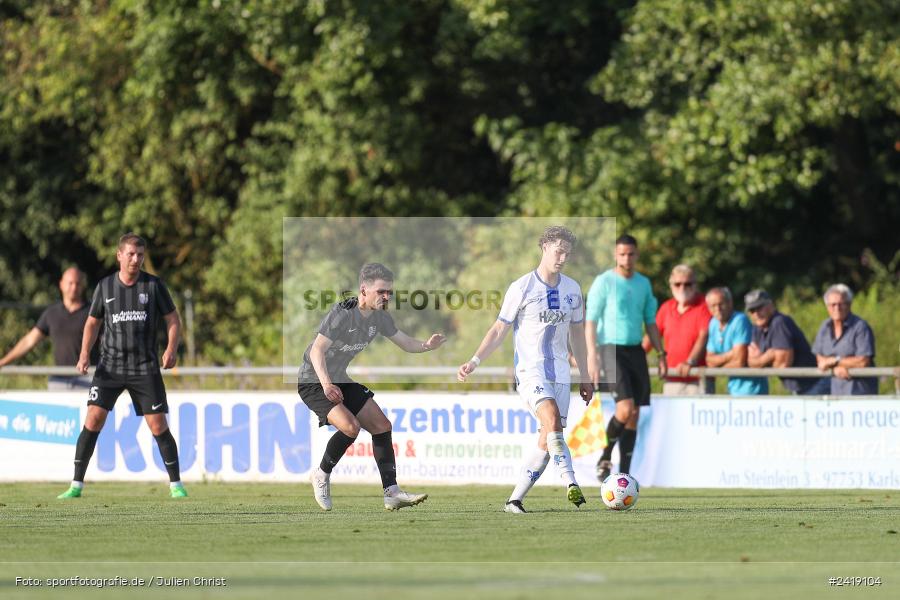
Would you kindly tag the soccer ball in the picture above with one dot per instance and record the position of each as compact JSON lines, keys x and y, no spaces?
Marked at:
{"x":620,"y":491}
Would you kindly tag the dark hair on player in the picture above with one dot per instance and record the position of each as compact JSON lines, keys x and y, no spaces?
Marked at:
{"x":555,"y":232}
{"x":133,"y":239}
{"x":373,"y":271}
{"x":626,"y":240}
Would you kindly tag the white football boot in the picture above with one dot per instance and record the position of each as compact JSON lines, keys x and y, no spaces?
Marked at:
{"x":321,"y":482}
{"x":395,"y":498}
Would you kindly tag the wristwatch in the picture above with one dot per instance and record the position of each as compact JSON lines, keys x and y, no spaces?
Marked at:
{"x":692,"y":362}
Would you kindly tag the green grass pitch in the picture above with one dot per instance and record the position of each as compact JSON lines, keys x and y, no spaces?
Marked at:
{"x":272,"y":541}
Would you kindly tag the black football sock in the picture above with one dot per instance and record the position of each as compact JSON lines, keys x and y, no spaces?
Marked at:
{"x":168,"y":449}
{"x":383,"y":449}
{"x":613,"y":431}
{"x":626,"y":449}
{"x":334,"y":450}
{"x":84,"y":450}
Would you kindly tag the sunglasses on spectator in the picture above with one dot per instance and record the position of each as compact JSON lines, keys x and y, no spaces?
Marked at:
{"x":686,"y":284}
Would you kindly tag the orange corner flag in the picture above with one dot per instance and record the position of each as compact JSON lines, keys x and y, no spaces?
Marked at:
{"x":589,"y":436}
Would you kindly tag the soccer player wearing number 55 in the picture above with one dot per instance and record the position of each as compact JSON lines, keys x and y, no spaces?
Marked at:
{"x":547,"y":310}
{"x":129,"y":303}
{"x":325,"y":387}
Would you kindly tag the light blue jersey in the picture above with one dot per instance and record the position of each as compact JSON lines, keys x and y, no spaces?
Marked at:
{"x":737,"y":331}
{"x":621,"y":306}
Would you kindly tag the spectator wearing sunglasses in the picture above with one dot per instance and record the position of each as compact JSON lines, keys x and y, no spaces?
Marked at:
{"x":777,"y":342}
{"x":683,"y":322}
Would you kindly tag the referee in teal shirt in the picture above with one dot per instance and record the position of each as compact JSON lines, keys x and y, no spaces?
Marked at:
{"x":620,"y":305}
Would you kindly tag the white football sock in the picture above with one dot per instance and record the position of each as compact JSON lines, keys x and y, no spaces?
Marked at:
{"x":559,"y":452}
{"x":78,"y":484}
{"x":533,"y":469}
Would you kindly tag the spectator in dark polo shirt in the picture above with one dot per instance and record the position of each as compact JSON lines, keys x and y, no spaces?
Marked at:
{"x":845,"y":342}
{"x":777,"y":342}
{"x":63,"y":322}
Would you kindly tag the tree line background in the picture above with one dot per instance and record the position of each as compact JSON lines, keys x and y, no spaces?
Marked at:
{"x":757,"y":141}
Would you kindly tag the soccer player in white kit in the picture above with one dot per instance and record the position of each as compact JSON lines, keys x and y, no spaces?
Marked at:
{"x":545,"y":309}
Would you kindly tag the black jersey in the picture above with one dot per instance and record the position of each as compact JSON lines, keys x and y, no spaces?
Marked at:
{"x":350,"y":333}
{"x":65,"y":329}
{"x":130,"y":316}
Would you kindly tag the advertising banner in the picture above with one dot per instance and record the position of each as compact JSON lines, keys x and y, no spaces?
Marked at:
{"x":768,"y":442}
{"x":230,"y":436}
{"x":448,"y":438}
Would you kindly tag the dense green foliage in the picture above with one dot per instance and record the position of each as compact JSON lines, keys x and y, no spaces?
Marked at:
{"x":271,"y":540}
{"x":758,"y":142}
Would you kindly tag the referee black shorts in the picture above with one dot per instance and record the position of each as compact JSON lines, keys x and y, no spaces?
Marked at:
{"x":313,"y":395}
{"x":632,"y":376}
{"x":148,"y":393}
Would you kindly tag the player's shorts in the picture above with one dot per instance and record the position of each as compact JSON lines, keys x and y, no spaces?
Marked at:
{"x":533,"y":390}
{"x":313,"y":395}
{"x":632,"y":376}
{"x":148,"y":393}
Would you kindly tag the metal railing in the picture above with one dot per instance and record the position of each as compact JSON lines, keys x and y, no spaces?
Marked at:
{"x":449,"y":373}
{"x":802,"y":372}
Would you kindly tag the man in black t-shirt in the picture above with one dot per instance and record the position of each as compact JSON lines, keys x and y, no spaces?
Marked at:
{"x":129,"y":304}
{"x":63,"y":323}
{"x":341,"y":402}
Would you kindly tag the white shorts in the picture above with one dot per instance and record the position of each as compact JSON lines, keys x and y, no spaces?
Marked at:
{"x":533,"y":390}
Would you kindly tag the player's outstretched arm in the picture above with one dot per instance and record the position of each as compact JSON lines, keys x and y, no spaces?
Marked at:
{"x":23,"y":346}
{"x":491,"y":342}
{"x":414,"y":346}
{"x":91,"y":329}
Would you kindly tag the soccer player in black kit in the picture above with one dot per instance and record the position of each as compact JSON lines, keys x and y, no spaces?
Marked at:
{"x":129,"y":303}
{"x":328,"y":391}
